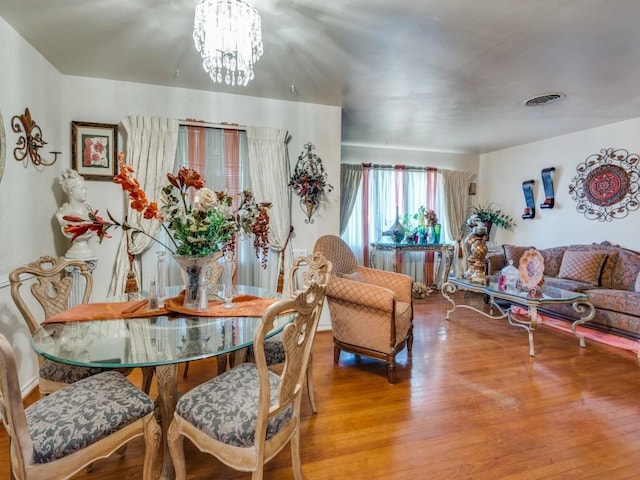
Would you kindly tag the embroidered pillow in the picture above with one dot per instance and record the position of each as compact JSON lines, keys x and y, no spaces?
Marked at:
{"x":355,"y":276}
{"x":582,"y":266}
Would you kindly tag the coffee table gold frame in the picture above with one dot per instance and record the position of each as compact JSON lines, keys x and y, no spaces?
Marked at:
{"x":547,"y":296}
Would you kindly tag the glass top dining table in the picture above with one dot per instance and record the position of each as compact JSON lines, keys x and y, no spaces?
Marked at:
{"x":160,"y":342}
{"x":150,"y":341}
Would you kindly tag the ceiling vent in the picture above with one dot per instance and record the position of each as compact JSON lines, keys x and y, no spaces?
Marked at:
{"x":545,"y":99}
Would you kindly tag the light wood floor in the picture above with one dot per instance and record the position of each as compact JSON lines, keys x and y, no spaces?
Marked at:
{"x":471,"y":404}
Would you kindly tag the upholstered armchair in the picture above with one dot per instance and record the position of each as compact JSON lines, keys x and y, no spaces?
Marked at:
{"x":371,"y":310}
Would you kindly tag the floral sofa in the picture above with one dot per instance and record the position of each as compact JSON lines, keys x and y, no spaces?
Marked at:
{"x":608,"y":274}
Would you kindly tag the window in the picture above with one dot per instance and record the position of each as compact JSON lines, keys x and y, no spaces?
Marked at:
{"x":383,"y":191}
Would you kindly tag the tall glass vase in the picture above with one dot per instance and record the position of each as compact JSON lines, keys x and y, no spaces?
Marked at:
{"x":226,"y":282}
{"x":193,"y":271}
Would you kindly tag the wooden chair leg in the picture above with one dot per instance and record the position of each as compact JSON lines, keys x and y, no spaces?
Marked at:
{"x":309,"y":382}
{"x":186,"y":370}
{"x":147,"y":378}
{"x":336,"y":354}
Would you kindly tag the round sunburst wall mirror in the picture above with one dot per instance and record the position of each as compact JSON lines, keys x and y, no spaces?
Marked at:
{"x":606,"y":185}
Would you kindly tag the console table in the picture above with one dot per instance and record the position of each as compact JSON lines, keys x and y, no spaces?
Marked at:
{"x":443,"y":251}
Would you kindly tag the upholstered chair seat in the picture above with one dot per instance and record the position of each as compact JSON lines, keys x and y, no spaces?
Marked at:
{"x":227,"y":406}
{"x":62,"y":373}
{"x":84,"y":412}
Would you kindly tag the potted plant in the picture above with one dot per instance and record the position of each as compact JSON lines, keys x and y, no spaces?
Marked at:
{"x":491,"y":215}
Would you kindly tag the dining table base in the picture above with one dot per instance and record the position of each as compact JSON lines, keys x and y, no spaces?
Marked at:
{"x":167,"y":378}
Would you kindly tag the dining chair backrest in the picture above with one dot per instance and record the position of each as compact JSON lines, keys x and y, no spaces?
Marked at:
{"x":297,"y":339}
{"x":314,"y":268}
{"x":51,"y":286}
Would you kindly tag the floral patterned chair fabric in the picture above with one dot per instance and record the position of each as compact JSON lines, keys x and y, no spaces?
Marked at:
{"x":247,"y":415}
{"x":371,"y":310}
{"x":51,"y":288}
{"x":74,"y":426}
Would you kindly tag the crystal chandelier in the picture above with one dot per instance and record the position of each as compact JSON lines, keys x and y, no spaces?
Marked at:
{"x":228,"y":35}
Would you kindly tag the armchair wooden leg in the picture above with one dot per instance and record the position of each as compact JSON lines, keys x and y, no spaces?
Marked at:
{"x":391,"y":370}
{"x":336,"y":354}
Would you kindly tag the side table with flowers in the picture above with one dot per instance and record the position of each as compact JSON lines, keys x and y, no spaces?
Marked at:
{"x":199,"y":224}
{"x":309,"y":181}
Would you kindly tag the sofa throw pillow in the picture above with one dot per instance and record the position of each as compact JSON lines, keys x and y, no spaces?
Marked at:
{"x":582,"y":266}
{"x":513,"y":253}
{"x":355,"y":276}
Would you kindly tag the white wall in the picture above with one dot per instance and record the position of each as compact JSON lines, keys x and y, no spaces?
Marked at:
{"x":28,"y":195}
{"x":502,"y":174}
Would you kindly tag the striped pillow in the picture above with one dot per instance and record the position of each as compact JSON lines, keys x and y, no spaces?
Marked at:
{"x":582,"y":266}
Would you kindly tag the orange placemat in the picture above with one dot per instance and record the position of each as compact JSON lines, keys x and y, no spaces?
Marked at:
{"x":245,"y":306}
{"x":106,"y":311}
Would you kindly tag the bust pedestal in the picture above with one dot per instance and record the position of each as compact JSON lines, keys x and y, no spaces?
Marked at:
{"x":75,"y":297}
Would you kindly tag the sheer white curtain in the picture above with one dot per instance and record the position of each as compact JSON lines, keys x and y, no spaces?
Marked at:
{"x":269,"y":170}
{"x":151,"y":150}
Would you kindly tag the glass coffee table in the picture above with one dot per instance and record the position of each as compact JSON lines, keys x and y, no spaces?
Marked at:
{"x":545,"y":296}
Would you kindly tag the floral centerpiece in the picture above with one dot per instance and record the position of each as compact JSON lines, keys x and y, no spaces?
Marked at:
{"x":309,"y":181}
{"x":199,"y":221}
{"x":490,"y":214}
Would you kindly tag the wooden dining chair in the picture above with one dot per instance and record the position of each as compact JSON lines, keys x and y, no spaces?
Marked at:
{"x":60,"y":434}
{"x":51,"y":286}
{"x":304,"y":270}
{"x":247,"y":415}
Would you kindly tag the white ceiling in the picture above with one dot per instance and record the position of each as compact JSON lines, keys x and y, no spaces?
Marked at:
{"x":444,"y":75}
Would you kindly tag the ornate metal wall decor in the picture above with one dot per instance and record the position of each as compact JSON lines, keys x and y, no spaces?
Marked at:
{"x":607,"y":185}
{"x":309,"y":181}
{"x":30,"y":141}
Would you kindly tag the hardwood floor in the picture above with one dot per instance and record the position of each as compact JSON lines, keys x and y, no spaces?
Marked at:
{"x":471,"y":404}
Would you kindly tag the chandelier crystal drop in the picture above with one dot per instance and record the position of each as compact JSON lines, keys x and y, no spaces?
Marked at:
{"x":228,"y":35}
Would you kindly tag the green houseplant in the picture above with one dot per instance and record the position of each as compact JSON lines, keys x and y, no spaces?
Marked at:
{"x":490,"y":215}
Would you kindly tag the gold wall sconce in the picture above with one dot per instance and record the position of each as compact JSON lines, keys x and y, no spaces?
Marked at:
{"x":30,"y":141}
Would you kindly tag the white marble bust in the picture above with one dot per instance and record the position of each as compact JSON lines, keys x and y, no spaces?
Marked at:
{"x":73,"y":185}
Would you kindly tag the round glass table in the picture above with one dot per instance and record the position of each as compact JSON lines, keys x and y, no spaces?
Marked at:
{"x":159,"y":342}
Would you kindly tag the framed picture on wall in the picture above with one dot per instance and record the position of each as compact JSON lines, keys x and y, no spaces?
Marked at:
{"x":94,"y":148}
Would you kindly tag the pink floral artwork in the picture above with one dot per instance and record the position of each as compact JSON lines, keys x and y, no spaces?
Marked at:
{"x":95,"y":151}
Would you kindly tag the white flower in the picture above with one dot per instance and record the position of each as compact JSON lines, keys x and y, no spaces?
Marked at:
{"x":204,"y":200}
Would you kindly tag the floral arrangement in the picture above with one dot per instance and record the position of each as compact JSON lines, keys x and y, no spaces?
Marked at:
{"x":309,"y":180}
{"x":200,"y":227}
{"x":490,"y":213}
{"x":420,"y":290}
